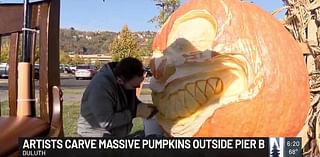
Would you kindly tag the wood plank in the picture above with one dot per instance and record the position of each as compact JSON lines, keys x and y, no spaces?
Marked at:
{"x":53,"y":47}
{"x":13,"y":19}
{"x":34,"y":22}
{"x":43,"y":78}
{"x":35,"y":15}
{"x":32,"y":60}
{"x":53,"y":67}
{"x":0,"y":52}
{"x":0,"y":56}
{"x":13,"y":74}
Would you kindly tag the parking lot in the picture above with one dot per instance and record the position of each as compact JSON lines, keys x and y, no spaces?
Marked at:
{"x":72,"y":88}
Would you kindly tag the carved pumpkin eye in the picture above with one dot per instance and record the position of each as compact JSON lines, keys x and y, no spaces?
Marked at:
{"x":204,"y":29}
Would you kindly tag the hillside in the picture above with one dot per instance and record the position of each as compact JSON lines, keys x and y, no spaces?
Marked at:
{"x":82,"y":42}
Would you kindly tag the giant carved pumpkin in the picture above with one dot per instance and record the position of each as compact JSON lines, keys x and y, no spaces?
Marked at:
{"x":227,"y":68}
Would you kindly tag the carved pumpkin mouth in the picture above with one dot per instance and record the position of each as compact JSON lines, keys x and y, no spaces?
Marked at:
{"x":186,"y":102}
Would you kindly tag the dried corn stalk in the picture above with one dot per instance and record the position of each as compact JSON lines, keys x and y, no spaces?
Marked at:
{"x":302,"y":19}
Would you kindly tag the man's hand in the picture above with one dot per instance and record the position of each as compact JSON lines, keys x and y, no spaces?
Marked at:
{"x":145,"y":110}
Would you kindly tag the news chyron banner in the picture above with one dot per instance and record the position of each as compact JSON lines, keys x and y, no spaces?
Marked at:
{"x":161,"y":147}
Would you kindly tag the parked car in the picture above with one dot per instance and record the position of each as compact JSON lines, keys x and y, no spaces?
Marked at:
{"x":73,"y":68}
{"x":36,"y":71}
{"x":65,"y":68}
{"x":4,"y":70}
{"x":85,"y":71}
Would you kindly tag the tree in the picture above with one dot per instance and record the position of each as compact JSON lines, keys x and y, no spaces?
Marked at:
{"x":275,"y":151}
{"x":125,"y":45}
{"x":4,"y":55}
{"x":37,"y":55}
{"x":77,"y":60}
{"x":98,"y":64}
{"x":64,"y":58}
{"x":87,"y":61}
{"x":167,"y":7}
{"x":147,"y":49}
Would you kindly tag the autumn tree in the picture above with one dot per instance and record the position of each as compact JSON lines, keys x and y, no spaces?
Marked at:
{"x":64,"y":58}
{"x":98,"y":63}
{"x":87,"y":61}
{"x":77,"y":60}
{"x":167,"y":7}
{"x":125,"y":45}
{"x":147,"y":49}
{"x":4,"y":55}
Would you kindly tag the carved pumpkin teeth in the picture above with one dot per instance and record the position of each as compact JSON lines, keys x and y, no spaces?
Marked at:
{"x":200,"y":96}
{"x":216,"y":85}
{"x":190,"y":103}
{"x":180,"y":102}
{"x":186,"y":101}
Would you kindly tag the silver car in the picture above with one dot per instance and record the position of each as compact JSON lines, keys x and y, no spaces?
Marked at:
{"x":85,"y":71}
{"x":4,"y":70}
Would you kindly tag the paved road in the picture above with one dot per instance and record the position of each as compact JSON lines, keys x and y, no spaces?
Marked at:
{"x":65,"y":83}
{"x":68,"y":82}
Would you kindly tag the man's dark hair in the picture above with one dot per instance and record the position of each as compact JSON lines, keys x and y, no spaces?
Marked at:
{"x":128,"y":68}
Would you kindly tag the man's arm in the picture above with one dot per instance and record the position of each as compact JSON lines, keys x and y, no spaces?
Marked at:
{"x":103,"y":104}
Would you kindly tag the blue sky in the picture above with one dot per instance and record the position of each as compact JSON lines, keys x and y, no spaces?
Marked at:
{"x":111,"y":15}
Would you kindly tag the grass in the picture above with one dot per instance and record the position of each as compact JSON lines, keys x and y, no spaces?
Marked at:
{"x":4,"y":108}
{"x":73,"y":91}
{"x":70,"y":115}
{"x":71,"y":110}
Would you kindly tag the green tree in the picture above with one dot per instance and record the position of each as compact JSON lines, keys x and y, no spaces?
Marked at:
{"x":98,"y":64}
{"x":147,"y":49}
{"x":77,"y":60}
{"x":37,"y":55}
{"x":64,"y":58}
{"x":4,"y":55}
{"x":87,"y":61}
{"x":167,"y":7}
{"x":275,"y":151}
{"x":125,"y":45}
